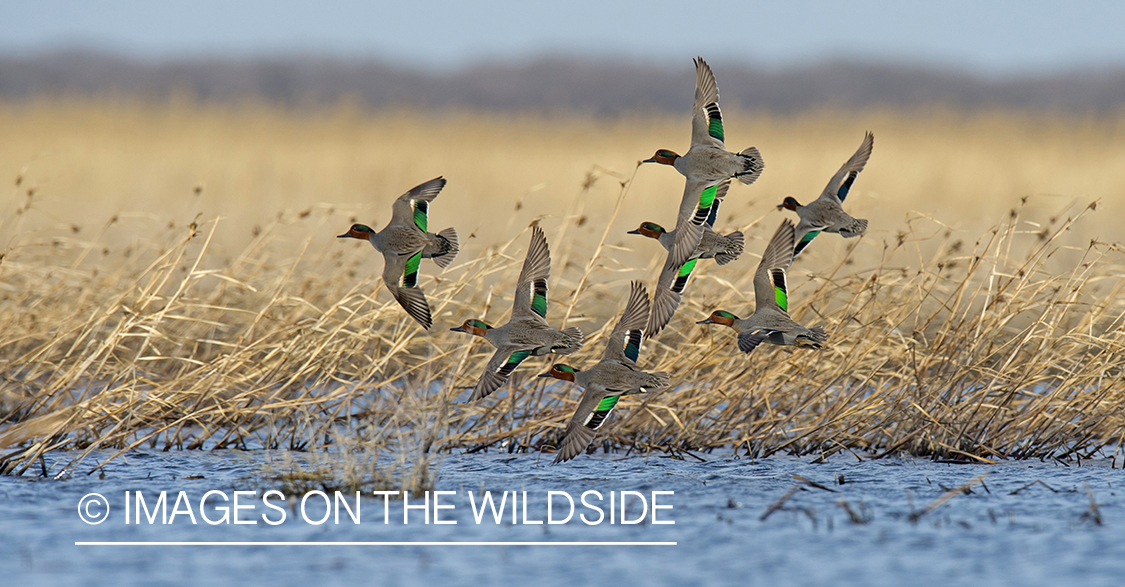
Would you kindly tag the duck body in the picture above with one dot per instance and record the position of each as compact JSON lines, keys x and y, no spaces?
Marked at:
{"x":709,"y":165}
{"x":526,"y":334}
{"x":776,"y":327}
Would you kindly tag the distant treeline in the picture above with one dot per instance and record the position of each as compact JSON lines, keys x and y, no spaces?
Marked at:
{"x":601,"y":86}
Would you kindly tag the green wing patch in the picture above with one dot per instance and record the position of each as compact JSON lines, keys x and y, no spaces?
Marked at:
{"x":846,"y":185}
{"x":421,"y":214}
{"x":633,"y":344}
{"x":804,"y":242}
{"x":706,"y":199}
{"x":539,"y":297}
{"x":514,"y":361}
{"x":715,"y":121}
{"x":410,"y":274}
{"x":780,"y":291}
{"x":682,"y":277}
{"x":596,"y":417}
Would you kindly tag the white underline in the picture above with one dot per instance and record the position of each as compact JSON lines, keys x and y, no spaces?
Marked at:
{"x":375,"y":543}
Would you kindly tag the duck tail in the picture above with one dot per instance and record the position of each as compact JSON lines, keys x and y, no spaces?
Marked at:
{"x":855,"y":229}
{"x":449,"y":248}
{"x":752,"y":166}
{"x":735,"y":244}
{"x":658,"y":381}
{"x":815,"y":338}
{"x":572,"y":343}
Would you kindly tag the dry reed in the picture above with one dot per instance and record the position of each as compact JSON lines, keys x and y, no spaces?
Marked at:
{"x":159,"y":331}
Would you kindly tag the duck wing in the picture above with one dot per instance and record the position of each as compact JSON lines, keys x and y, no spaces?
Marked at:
{"x":400,"y":275}
{"x":500,"y":367}
{"x":413,"y":207}
{"x":770,"y":289}
{"x":706,"y":118}
{"x":531,"y":289}
{"x":838,"y":187}
{"x":669,"y":291}
{"x":624,"y":345}
{"x":695,"y":208}
{"x":592,"y":411}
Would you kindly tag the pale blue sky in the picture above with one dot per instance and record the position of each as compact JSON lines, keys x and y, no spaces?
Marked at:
{"x":991,"y":38}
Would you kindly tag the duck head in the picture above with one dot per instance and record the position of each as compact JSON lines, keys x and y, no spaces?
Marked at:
{"x":720,"y":317}
{"x":561,"y":371}
{"x":360,"y":231}
{"x":663,"y":157}
{"x":649,"y":229}
{"x":789,"y":203}
{"x":474,"y":327}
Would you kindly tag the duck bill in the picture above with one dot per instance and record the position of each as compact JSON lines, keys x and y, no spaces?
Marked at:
{"x":707,"y":321}
{"x":637,"y":231}
{"x":650,"y":160}
{"x":345,"y":235}
{"x":547,"y":374}
{"x":458,"y":329}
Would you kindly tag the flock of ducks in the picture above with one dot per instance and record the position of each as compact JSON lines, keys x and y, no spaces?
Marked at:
{"x":709,"y":169}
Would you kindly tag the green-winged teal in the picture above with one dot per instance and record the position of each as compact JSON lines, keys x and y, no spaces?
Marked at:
{"x":770,"y":321}
{"x":706,"y":163}
{"x":405,"y":242}
{"x":527,"y":332}
{"x":614,"y":376}
{"x":674,"y":278}
{"x":826,"y":214}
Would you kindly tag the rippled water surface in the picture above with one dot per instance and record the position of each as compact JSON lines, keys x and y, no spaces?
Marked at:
{"x":1004,"y":532}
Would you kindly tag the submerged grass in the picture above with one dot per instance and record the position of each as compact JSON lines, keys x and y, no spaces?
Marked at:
{"x":947,"y":340}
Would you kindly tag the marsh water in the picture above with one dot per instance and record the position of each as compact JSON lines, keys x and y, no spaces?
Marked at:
{"x":844,"y":521}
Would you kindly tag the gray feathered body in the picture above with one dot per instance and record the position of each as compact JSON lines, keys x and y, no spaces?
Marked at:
{"x":829,"y":214}
{"x":617,"y":377}
{"x":535,"y":335}
{"x":722,"y":248}
{"x":711,"y":164}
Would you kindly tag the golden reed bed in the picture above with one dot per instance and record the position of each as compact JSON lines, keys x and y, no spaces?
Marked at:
{"x":171,"y":278}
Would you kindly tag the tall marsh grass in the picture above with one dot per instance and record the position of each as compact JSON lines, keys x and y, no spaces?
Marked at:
{"x":171,"y":279}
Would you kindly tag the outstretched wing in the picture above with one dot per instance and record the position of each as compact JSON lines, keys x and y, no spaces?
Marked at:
{"x":531,"y":289}
{"x":841,"y":183}
{"x":625,"y":341}
{"x":695,"y":209}
{"x":669,"y":291}
{"x":413,"y":207}
{"x":400,"y":275}
{"x":590,"y":415}
{"x":770,"y":288}
{"x":499,"y":369}
{"x":706,"y":118}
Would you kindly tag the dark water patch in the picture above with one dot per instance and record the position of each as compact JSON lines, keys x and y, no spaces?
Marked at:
{"x":1023,"y":523}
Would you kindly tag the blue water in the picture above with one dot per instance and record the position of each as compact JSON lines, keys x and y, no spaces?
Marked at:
{"x":1039,"y":536}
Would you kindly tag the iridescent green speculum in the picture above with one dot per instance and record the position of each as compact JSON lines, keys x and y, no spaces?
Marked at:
{"x":421,"y":215}
{"x":715,"y":128}
{"x":607,"y":403}
{"x":708,"y":197}
{"x":410,"y":274}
